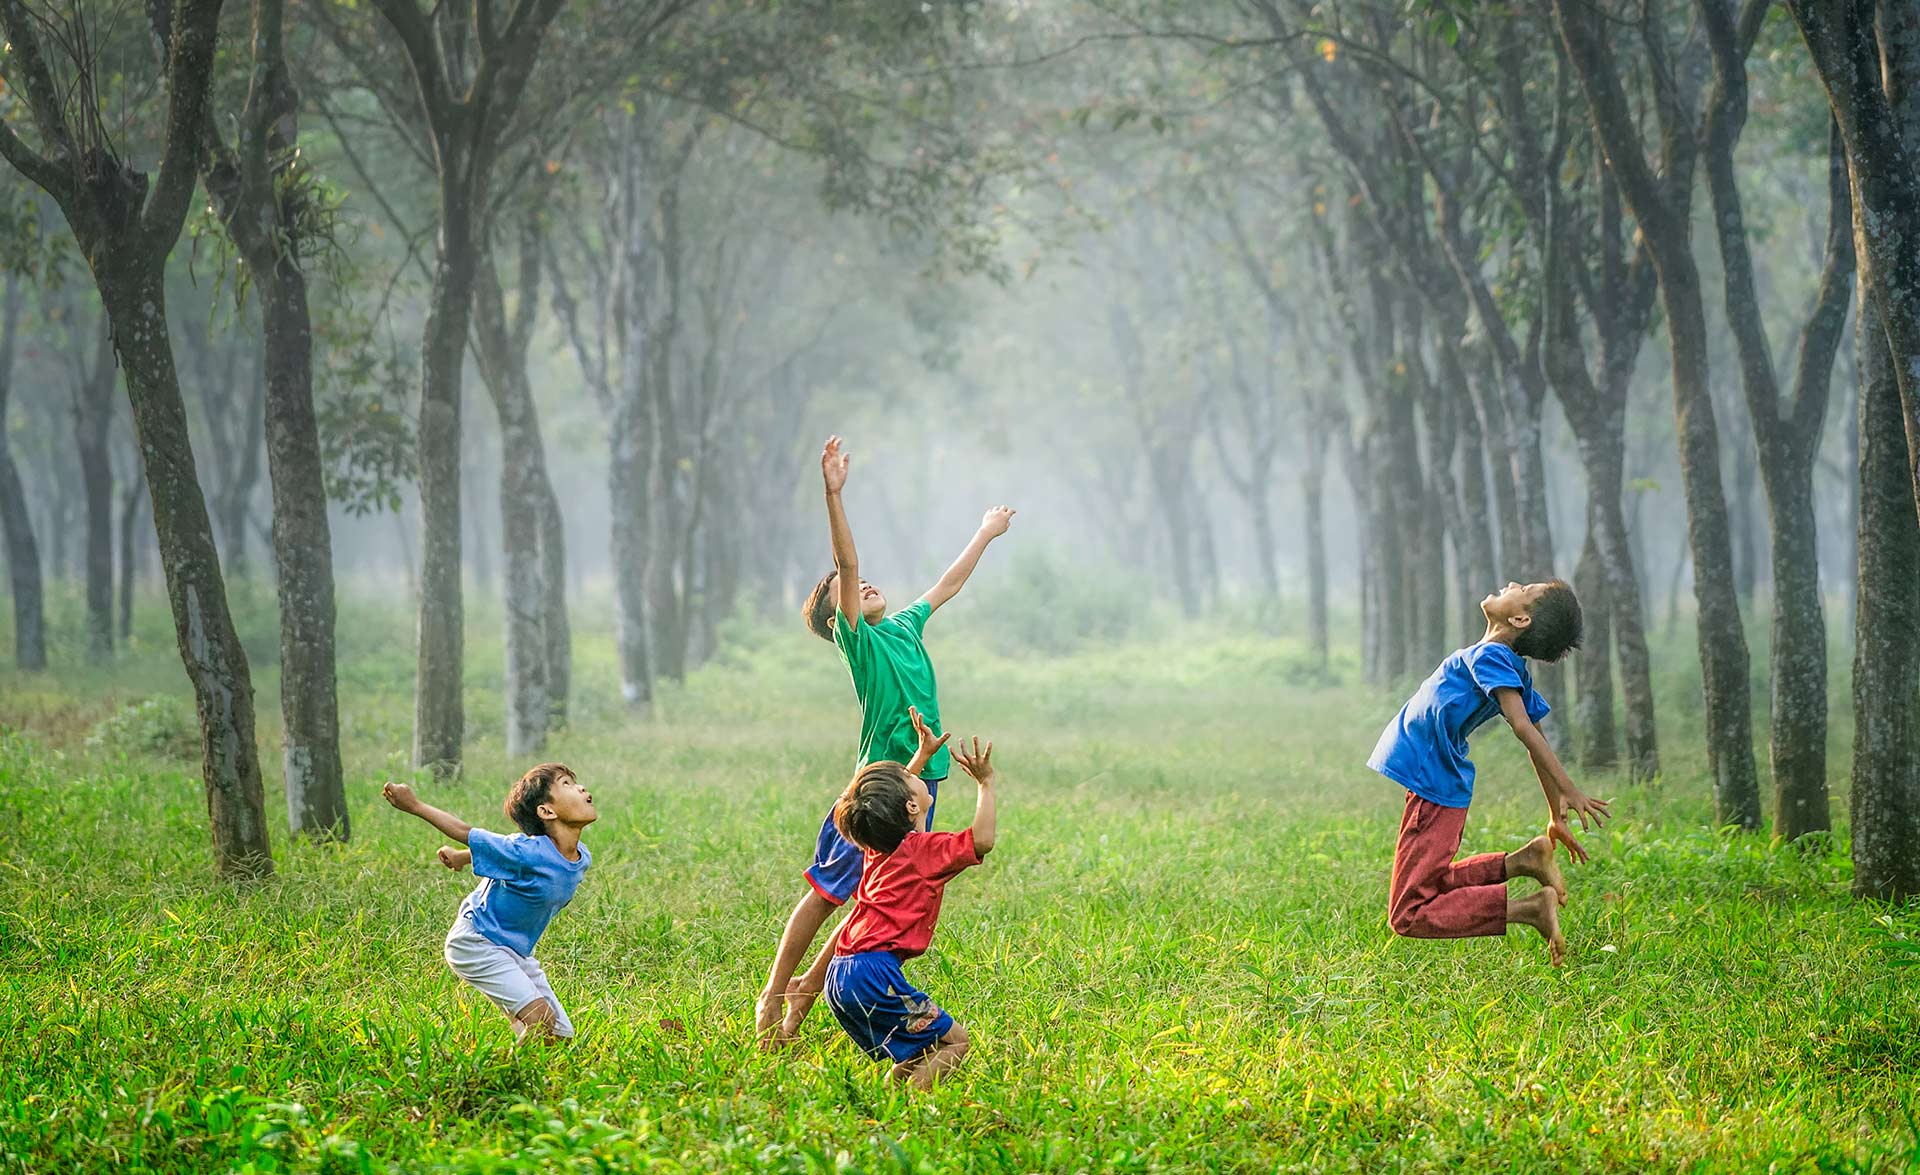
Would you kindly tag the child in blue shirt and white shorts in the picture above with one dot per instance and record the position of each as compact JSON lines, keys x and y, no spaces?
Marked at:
{"x":525,"y":878}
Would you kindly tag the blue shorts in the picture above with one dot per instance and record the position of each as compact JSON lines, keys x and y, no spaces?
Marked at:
{"x":889,"y":1018}
{"x":835,"y":872}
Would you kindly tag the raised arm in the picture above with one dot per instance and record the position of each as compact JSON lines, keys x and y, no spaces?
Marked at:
{"x":846,"y":561}
{"x":401,"y":796}
{"x":992,"y":526}
{"x":978,"y":762}
{"x":1561,"y":794}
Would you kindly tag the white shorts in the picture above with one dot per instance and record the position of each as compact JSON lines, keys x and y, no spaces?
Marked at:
{"x":511,"y":980}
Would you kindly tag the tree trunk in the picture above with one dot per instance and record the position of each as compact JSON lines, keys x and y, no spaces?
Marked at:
{"x":1593,"y":711}
{"x":1886,"y":659}
{"x":1317,"y":627}
{"x":1868,"y":58}
{"x":1626,"y":608}
{"x":1722,"y":641}
{"x":557,"y":628}
{"x":196,"y":591}
{"x":236,"y":501}
{"x":439,"y":719}
{"x":532,"y":541}
{"x":130,"y":504}
{"x":303,"y":558}
{"x":1266,"y":554}
{"x":92,"y":414}
{"x":23,"y":555}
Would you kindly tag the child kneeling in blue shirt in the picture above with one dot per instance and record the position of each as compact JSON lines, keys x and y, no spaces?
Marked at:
{"x":525,"y":878}
{"x":1425,"y":751}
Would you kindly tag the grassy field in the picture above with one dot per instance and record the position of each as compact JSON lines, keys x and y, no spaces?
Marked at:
{"x":1176,"y":960}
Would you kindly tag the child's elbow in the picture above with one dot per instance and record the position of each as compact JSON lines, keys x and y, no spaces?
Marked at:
{"x":982,"y":845}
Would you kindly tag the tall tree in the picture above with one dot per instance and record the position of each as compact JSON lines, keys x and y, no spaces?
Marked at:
{"x":23,"y":554}
{"x":532,"y":532}
{"x":93,"y":386}
{"x":1867,"y":53}
{"x":126,"y":222}
{"x":468,"y":75}
{"x":278,"y":220}
{"x":1660,"y":205}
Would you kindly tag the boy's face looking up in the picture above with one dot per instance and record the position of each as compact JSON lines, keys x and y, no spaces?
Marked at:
{"x":570,"y":803}
{"x":873,"y":605}
{"x":1513,"y":604}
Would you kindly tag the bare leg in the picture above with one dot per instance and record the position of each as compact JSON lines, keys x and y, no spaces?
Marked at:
{"x":535,"y":1020}
{"x":1541,"y":910}
{"x":1535,"y":859}
{"x":802,"y":992}
{"x":943,"y":1058}
{"x":802,"y":925}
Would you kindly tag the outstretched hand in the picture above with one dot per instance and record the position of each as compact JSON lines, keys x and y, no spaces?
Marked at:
{"x":977,"y":762}
{"x":1559,"y":834}
{"x":1592,"y":812}
{"x":930,"y":744}
{"x":833,"y":465}
{"x":996,"y":520}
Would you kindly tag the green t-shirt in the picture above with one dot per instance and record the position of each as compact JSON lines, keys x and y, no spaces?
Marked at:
{"x":891,"y":671}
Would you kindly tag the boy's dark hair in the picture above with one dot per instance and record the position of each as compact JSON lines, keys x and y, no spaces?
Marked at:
{"x":1557,"y":625}
{"x":820,"y":607}
{"x":534,"y":789}
{"x":872,"y":812}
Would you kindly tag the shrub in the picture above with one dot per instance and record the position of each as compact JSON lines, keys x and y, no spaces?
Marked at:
{"x":161,"y":727}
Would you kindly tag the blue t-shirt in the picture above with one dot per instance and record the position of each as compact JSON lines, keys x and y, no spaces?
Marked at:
{"x":1424,"y":749}
{"x":524,"y":880}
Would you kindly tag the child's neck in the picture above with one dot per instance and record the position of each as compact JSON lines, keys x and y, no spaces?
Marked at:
{"x":1498,"y":631}
{"x":566,"y":838}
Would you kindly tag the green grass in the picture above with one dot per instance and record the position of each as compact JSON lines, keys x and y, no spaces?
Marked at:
{"x":1176,"y":960}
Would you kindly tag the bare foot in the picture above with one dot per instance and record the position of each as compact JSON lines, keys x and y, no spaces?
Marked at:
{"x":1541,"y":912}
{"x":766,"y":1019}
{"x":800,"y":998}
{"x":1535,"y":859}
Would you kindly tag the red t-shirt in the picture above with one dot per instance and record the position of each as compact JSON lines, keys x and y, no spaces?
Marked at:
{"x":899,"y":896}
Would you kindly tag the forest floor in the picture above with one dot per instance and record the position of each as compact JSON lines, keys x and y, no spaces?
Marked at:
{"x":1177,"y":958}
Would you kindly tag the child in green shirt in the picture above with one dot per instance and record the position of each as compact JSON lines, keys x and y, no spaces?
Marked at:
{"x":892,"y":677}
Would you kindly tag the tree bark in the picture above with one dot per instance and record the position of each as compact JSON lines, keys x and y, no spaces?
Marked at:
{"x":1886,"y":659}
{"x":532,"y":539}
{"x":243,"y":184}
{"x":1867,"y":54}
{"x":23,"y":554}
{"x":1593,"y":709}
{"x":135,"y":299}
{"x":130,"y":504}
{"x":92,"y":414}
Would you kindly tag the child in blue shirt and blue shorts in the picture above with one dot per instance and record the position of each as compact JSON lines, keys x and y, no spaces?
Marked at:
{"x":525,"y":878}
{"x":1424,"y":750}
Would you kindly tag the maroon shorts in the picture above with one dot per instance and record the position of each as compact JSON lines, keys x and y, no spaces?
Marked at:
{"x":1435,"y":896}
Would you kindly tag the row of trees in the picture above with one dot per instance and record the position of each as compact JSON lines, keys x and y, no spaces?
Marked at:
{"x":1407,"y":243}
{"x":1494,"y":206}
{"x":660,"y":97}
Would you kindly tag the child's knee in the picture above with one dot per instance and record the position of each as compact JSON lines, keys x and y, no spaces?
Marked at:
{"x":540,"y":1014}
{"x":1401,"y":919}
{"x":955,"y":1041}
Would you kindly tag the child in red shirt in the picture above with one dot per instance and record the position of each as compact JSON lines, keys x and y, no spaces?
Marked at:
{"x":905,"y":872}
